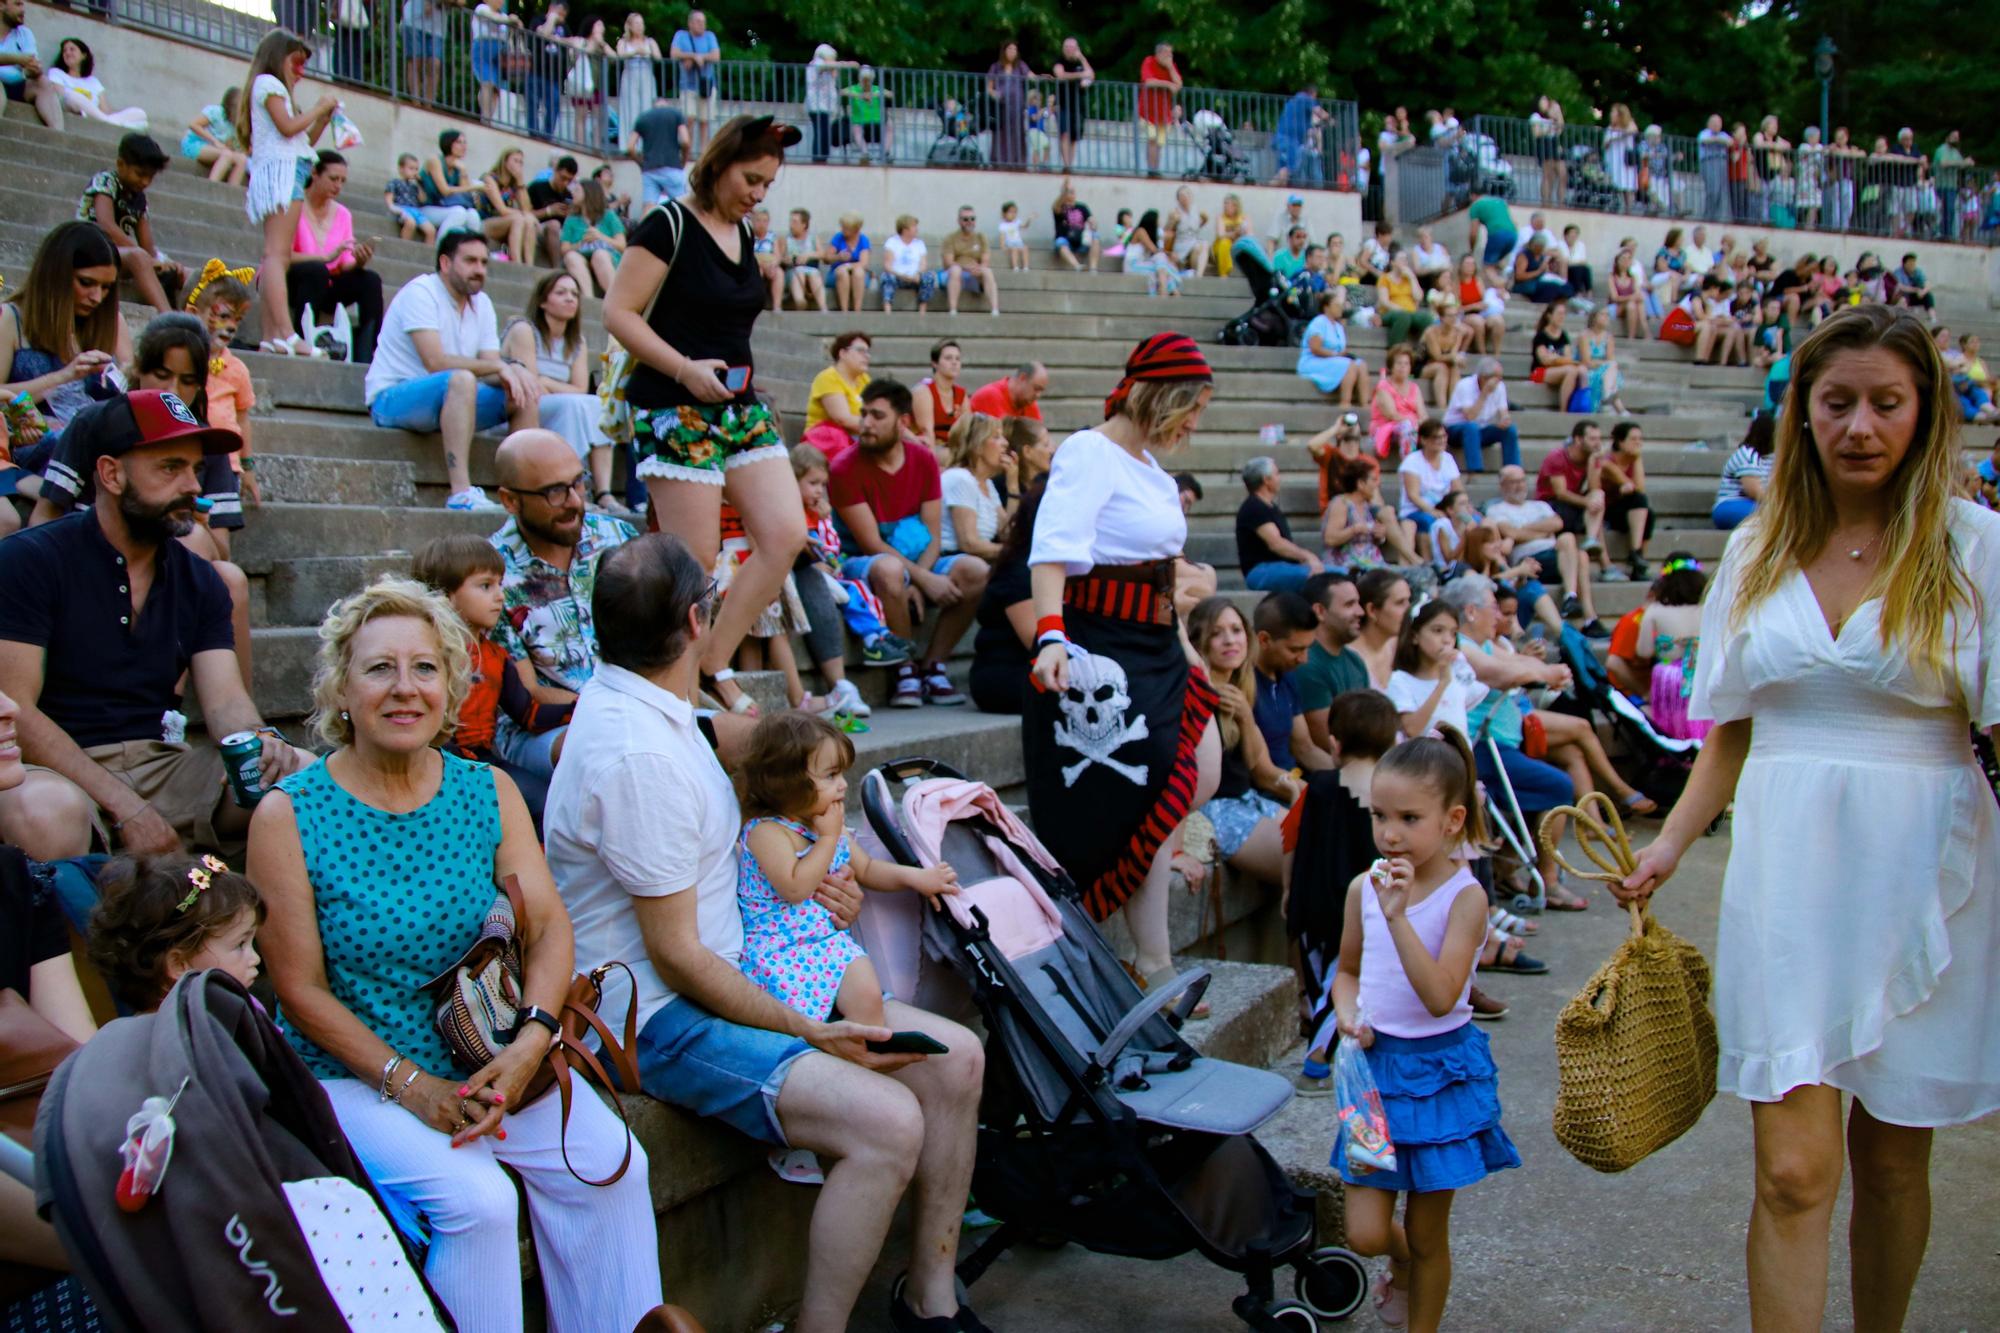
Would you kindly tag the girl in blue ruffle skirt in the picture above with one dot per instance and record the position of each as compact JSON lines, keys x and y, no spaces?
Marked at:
{"x":1415,"y":922}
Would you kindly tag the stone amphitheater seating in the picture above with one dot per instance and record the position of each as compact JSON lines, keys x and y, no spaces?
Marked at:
{"x":345,"y":501}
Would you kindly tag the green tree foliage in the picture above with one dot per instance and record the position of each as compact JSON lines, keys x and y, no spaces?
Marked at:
{"x":1934,"y":65}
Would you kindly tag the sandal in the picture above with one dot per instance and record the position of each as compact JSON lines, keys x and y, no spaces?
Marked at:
{"x":1163,"y":977}
{"x":1501,"y":919}
{"x":1392,"y":1303}
{"x":1569,"y":902}
{"x":742,"y":704}
{"x":1519,"y":963}
{"x":1640,"y":804}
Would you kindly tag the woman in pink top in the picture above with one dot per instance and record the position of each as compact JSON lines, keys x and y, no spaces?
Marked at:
{"x":1415,"y":923}
{"x":329,"y":267}
{"x":1398,"y":405}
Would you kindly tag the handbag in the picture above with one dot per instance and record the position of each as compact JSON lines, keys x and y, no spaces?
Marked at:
{"x":614,"y":413}
{"x":581,"y":82}
{"x":1534,"y":737}
{"x":1636,"y":1047}
{"x":478,"y":1000}
{"x":30,"y":1049}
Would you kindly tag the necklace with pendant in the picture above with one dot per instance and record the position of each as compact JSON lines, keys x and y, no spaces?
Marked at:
{"x":1856,"y":552}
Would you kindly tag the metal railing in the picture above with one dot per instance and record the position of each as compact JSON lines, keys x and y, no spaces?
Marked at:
{"x":1703,"y":179}
{"x":435,"y":53}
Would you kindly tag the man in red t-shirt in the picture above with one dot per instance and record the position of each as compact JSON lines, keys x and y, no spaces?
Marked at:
{"x":1568,"y":481}
{"x":1159,"y":85}
{"x":1014,"y":396}
{"x":889,"y":501}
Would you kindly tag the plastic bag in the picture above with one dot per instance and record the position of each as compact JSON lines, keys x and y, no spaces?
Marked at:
{"x":346,"y":134}
{"x":1368,"y":1144}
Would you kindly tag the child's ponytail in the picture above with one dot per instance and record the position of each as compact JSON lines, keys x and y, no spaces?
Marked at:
{"x":1443,"y":759}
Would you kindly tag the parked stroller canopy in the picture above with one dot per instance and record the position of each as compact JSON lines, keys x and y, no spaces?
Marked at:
{"x":261,"y":1196}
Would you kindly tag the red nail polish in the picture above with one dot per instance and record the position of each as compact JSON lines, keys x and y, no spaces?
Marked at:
{"x":499,"y":1099}
{"x":501,"y":1135}
{"x":464,"y":1091}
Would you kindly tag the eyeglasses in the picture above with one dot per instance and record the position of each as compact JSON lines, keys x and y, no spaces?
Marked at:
{"x":558,"y":492}
{"x":967,"y":217}
{"x":705,"y":603}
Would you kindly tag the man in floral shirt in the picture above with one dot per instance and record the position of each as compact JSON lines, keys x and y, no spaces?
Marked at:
{"x":551,"y":548}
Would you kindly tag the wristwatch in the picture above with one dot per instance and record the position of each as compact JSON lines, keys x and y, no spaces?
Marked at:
{"x":536,"y":1014}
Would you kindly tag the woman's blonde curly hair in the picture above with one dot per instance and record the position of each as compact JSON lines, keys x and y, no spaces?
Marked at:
{"x":384,"y":598}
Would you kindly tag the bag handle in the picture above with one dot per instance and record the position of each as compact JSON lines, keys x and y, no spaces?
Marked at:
{"x":1604,"y":842}
{"x":569,"y":1049}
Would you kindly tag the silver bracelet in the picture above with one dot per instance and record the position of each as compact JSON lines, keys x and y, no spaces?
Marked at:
{"x":388,"y":1068}
{"x":397,"y":1096}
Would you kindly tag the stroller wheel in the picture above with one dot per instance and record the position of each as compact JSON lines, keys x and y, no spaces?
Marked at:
{"x":1292,"y":1317}
{"x":1526,"y":902}
{"x":1332,"y":1282}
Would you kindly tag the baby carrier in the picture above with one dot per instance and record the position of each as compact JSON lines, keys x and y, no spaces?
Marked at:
{"x":1221,"y":159}
{"x":262,"y":1202}
{"x":1099,"y":1124}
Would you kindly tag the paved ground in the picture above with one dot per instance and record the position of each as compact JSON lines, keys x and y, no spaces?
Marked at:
{"x":1556,"y":1245}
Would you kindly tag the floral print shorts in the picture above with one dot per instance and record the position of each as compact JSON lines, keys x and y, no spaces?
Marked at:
{"x":700,"y":443}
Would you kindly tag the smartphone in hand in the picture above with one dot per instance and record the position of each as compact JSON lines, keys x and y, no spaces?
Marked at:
{"x":734,"y":378}
{"x":910,"y":1043}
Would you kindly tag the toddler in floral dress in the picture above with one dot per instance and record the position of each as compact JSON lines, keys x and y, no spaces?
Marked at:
{"x":793,"y":789}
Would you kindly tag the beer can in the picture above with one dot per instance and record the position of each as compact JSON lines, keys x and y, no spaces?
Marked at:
{"x":242,"y":753}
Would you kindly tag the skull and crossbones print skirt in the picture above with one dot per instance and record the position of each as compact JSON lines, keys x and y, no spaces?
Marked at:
{"x":1111,"y":759}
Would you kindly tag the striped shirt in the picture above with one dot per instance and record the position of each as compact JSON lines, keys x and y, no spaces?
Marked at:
{"x":1745,"y":462}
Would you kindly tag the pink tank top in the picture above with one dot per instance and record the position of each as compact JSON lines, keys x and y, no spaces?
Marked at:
{"x":339,"y":231}
{"x":1387,"y":998}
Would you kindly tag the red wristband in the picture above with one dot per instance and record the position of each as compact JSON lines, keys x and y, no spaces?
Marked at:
{"x":1048,"y":623}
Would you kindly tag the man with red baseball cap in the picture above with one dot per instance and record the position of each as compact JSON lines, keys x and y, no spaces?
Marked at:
{"x":115,"y":426}
{"x":101,"y":614}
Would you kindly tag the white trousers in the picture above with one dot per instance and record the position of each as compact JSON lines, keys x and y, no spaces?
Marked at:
{"x":597,"y":1248}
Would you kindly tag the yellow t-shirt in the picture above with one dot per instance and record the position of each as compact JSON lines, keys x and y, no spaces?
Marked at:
{"x":826,"y":382}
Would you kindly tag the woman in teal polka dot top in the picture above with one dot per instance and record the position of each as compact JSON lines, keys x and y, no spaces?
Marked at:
{"x":378,"y":864}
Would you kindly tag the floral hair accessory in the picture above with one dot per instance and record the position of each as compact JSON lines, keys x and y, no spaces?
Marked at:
{"x":1675,"y":566}
{"x":200,"y":877}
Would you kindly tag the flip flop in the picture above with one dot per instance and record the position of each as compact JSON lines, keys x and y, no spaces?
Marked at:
{"x":796,"y":1166}
{"x":1642,"y":805}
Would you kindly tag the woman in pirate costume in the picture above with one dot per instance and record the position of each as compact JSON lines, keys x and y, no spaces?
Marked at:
{"x":1117,"y":721}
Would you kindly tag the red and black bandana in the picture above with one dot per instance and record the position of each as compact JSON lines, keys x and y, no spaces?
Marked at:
{"x":1164,"y":356}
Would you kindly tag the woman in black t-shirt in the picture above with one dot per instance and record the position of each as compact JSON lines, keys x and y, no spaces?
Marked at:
{"x":687,"y":296}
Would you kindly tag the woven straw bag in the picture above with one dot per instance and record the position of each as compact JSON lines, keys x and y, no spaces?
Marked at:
{"x":1636,"y":1047}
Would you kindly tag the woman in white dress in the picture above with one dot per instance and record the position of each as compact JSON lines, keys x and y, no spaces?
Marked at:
{"x":636,"y":84}
{"x":1854,"y":623}
{"x":83,"y":92}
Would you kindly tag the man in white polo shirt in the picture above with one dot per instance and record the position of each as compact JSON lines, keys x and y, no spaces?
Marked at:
{"x":438,"y":366}
{"x":642,"y":827}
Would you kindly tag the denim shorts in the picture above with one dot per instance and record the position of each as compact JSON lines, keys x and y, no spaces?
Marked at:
{"x":1500,"y":246}
{"x":661,"y":184}
{"x":856,"y":567}
{"x":417,"y":404}
{"x":712,"y":1067}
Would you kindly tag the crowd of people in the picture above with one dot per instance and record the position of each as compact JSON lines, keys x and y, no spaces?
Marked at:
{"x":532,"y":707}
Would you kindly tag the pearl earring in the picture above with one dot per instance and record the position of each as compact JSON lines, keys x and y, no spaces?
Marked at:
{"x":343,"y":715}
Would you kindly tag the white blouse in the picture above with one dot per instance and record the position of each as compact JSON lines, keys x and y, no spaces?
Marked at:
{"x":1105,"y":507}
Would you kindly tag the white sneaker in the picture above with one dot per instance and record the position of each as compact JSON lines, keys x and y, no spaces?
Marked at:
{"x":844,"y":698}
{"x":473,"y":500}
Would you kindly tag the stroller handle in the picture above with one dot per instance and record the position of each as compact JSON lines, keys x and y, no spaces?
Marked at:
{"x":911,"y":767}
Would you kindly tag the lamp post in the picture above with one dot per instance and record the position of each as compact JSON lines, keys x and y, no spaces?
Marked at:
{"x":1823,"y":53}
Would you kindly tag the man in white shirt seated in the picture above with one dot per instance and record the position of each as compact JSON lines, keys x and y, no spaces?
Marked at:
{"x":906,"y":263}
{"x":438,"y":367}
{"x":1478,"y":415}
{"x":1696,"y":257}
{"x":1537,"y":533}
{"x":642,"y":828}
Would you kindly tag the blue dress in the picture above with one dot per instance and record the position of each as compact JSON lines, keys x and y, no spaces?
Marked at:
{"x":398,"y":897}
{"x":792,"y":950}
{"x":1325,"y":372}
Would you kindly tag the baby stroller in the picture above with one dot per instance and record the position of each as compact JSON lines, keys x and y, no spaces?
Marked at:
{"x":1221,"y":159}
{"x":1099,"y":1125}
{"x":263,"y":1209}
{"x":1661,"y":763}
{"x":957,"y":143}
{"x":1270,"y":320}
